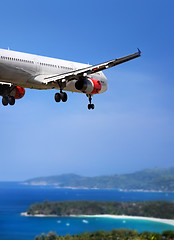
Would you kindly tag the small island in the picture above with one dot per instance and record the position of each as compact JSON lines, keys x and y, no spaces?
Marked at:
{"x":151,"y":209}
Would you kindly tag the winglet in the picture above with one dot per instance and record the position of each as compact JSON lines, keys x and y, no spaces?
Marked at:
{"x":139,"y":52}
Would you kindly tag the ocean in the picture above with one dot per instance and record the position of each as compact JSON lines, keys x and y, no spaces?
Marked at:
{"x":16,"y":198}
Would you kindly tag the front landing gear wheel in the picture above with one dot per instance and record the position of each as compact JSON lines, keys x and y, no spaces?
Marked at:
{"x":91,"y":106}
{"x":5,"y":101}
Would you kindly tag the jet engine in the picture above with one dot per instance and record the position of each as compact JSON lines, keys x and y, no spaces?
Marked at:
{"x":19,"y":92}
{"x":15,"y":91}
{"x":88,"y":85}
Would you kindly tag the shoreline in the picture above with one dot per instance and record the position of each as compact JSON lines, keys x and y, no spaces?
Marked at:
{"x":161,"y":220}
{"x":25,"y":214}
{"x":166,"y":221}
{"x":93,"y":188}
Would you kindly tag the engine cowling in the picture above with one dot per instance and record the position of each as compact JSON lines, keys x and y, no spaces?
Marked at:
{"x":15,"y":91}
{"x":19,"y":92}
{"x":88,"y":85}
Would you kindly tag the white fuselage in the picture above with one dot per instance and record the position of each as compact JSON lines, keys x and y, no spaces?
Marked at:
{"x":28,"y":70}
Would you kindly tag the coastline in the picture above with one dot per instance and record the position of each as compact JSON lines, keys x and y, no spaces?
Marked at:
{"x":44,"y":184}
{"x":25,"y":214}
{"x":166,"y":221}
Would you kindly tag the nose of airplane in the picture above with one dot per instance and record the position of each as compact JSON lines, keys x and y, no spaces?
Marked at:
{"x":104,"y":84}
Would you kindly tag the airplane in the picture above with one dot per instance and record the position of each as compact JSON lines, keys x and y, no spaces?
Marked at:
{"x":22,"y":70}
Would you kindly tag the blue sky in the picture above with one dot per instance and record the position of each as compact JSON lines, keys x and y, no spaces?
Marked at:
{"x":132,"y":126}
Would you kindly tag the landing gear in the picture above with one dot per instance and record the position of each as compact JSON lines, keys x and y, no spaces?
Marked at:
{"x":57,"y":97}
{"x":11,"y":100}
{"x":90,"y":105}
{"x":5,"y":101}
{"x":61,"y":96}
{"x":8,"y":100}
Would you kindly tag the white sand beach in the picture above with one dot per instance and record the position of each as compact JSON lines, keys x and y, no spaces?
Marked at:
{"x":167,"y":221}
{"x":25,"y":214}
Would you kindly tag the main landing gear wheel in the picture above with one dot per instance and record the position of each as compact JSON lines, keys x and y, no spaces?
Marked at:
{"x":61,"y":96}
{"x":5,"y":101}
{"x":8,"y":100}
{"x":11,"y":100}
{"x":90,"y":105}
{"x":57,"y":97}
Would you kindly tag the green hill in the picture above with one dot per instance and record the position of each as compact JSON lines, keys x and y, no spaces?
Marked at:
{"x":157,"y":209}
{"x":156,"y":179}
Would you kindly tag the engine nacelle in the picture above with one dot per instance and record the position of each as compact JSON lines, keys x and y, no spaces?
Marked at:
{"x":19,"y":92}
{"x":88,"y":85}
{"x":15,"y":91}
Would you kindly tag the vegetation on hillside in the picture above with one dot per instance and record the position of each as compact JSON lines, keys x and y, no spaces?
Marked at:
{"x":150,"y":179}
{"x":157,"y":209}
{"x":122,"y":234}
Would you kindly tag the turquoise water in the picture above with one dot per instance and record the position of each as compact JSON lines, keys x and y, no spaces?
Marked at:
{"x":15,"y":198}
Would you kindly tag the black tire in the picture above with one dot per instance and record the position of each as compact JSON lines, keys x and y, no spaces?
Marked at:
{"x":57,"y":97}
{"x":5,"y":101}
{"x":89,"y":106}
{"x":11,"y":100}
{"x":63,"y":96}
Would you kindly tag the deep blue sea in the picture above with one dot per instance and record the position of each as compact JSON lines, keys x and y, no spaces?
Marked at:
{"x":16,"y":198}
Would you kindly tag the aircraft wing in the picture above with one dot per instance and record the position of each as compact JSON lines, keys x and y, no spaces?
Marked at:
{"x":77,"y":74}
